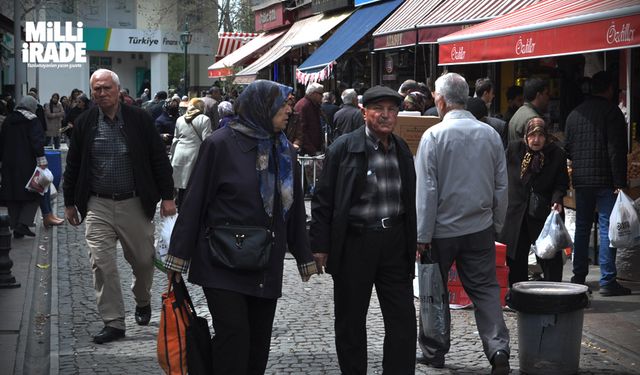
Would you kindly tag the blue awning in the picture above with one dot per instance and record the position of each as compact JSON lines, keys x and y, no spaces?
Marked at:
{"x":352,"y":30}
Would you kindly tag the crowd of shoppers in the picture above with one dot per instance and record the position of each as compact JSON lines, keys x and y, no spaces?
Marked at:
{"x":233,"y":161}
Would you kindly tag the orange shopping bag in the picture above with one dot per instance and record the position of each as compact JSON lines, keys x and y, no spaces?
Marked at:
{"x":172,"y":339}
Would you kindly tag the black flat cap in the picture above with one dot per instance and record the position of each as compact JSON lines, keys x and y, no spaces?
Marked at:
{"x":377,"y":93}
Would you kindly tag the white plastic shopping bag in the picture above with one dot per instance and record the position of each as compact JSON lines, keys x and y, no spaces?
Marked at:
{"x":624,"y":226}
{"x":162,"y":243}
{"x":553,"y":238}
{"x":40,"y":180}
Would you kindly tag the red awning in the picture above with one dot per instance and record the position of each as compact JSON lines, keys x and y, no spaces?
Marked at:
{"x":232,"y":63}
{"x":231,"y":41}
{"x":548,"y":28}
{"x":424,"y":21}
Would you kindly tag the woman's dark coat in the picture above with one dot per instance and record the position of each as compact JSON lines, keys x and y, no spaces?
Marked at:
{"x":552,"y":183}
{"x":21,"y":142}
{"x":224,"y":188}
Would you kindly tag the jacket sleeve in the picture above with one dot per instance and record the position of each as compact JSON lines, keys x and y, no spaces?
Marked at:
{"x":193,"y":209}
{"x":73,"y":162}
{"x":501,"y":192}
{"x":160,"y":164}
{"x":617,"y":146}
{"x":297,"y":237}
{"x":426,"y":188}
{"x":322,"y":203}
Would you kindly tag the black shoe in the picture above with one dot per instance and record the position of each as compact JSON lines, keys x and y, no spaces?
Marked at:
{"x":578,"y":280}
{"x":23,"y":230}
{"x":143,"y":315}
{"x":17,"y":235}
{"x":108,"y":334}
{"x":500,"y":363}
{"x":614,"y":289}
{"x":435,"y":363}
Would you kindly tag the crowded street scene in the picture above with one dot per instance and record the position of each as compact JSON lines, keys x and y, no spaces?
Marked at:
{"x":246,"y":187}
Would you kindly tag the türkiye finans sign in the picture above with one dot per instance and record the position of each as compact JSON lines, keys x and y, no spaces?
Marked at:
{"x":51,"y":44}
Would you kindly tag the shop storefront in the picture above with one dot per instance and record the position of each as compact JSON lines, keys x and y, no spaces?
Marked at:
{"x":566,"y":42}
{"x":345,"y":56}
{"x":408,"y":38}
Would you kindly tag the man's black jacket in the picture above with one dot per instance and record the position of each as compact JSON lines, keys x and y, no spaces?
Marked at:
{"x":151,"y":167}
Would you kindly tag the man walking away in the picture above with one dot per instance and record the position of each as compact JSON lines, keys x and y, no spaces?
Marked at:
{"x":596,"y":143}
{"x":461,"y":201}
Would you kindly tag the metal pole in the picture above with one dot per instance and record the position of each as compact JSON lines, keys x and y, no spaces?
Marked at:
{"x":6,"y":278}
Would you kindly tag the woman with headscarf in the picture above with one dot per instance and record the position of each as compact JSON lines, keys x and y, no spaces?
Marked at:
{"x":190,"y":131}
{"x":21,"y":149}
{"x":536,"y":166}
{"x":225,"y":110}
{"x":54,"y":113}
{"x":415,"y":101}
{"x":246,"y":173}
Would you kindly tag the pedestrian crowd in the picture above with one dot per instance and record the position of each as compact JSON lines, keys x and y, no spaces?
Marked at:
{"x":228,"y":166}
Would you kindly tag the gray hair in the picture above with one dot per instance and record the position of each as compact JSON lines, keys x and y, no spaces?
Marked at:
{"x":29,"y":103}
{"x":453,"y":88}
{"x":114,"y":76}
{"x":349,"y":95}
{"x":314,"y":87}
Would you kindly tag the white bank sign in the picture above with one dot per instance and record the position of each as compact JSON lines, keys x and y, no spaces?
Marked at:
{"x":54,"y":45}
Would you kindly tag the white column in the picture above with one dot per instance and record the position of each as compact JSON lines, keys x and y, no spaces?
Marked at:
{"x":159,"y":72}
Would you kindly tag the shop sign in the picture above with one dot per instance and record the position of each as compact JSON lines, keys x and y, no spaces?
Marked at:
{"x":136,"y":40}
{"x":396,"y":40}
{"x":321,"y":6}
{"x":563,"y":40}
{"x":54,"y":45}
{"x":270,"y":17}
{"x":430,"y":35}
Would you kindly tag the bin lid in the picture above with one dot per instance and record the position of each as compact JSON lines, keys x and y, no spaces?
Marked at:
{"x":550,"y":288}
{"x":543,"y":297}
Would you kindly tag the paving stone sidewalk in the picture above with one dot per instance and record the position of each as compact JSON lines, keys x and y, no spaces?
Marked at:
{"x":303,"y":340}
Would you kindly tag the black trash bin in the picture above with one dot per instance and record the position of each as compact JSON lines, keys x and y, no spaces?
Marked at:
{"x":550,"y":317}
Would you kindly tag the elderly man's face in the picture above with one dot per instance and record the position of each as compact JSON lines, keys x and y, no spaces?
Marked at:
{"x":105,"y":92}
{"x":381,"y":117}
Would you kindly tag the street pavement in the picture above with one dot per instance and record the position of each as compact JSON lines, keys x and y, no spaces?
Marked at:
{"x":54,"y":267}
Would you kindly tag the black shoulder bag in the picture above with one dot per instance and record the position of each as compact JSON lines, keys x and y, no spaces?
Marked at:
{"x":242,"y":247}
{"x":539,"y":205}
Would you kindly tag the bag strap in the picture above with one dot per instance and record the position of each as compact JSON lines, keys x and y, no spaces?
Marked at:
{"x":195,"y":131}
{"x":182,"y":295}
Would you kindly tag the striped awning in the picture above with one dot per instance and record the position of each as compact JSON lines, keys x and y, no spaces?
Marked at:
{"x":548,"y":28}
{"x":308,"y":30}
{"x":231,"y":41}
{"x":233,"y":62}
{"x":423,"y":22}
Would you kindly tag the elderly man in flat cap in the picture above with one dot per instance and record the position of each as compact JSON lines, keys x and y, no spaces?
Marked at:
{"x":363,"y":231}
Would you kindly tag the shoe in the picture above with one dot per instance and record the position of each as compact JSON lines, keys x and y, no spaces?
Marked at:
{"x":435,"y":363}
{"x":614,"y":289}
{"x":23,"y":230}
{"x":17,"y":235}
{"x":108,"y":334}
{"x":143,"y":315}
{"x":500,"y":363}
{"x":578,"y":279}
{"x":51,"y":220}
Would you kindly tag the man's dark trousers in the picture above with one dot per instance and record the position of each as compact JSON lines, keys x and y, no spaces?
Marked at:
{"x":375,"y":258}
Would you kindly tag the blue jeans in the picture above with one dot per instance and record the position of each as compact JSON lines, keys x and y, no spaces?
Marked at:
{"x":586,"y":201}
{"x":45,"y":204}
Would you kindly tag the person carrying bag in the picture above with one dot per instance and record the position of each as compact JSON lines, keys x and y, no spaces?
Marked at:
{"x":184,"y":340}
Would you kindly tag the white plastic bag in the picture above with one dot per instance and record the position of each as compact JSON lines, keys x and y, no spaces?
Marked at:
{"x":624,"y":226}
{"x":162,"y":243}
{"x":553,"y":238}
{"x":40,"y":180}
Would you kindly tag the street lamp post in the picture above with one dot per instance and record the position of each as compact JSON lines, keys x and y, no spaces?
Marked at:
{"x":185,"y":38}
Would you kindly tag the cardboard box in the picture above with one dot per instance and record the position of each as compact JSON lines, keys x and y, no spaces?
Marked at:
{"x":502,"y":275}
{"x":411,"y":128}
{"x":459,"y":298}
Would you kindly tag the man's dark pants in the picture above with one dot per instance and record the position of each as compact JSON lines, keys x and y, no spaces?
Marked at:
{"x":375,"y":258}
{"x":475,"y":257}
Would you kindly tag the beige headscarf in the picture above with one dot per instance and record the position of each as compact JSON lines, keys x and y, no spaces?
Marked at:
{"x":195,"y":108}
